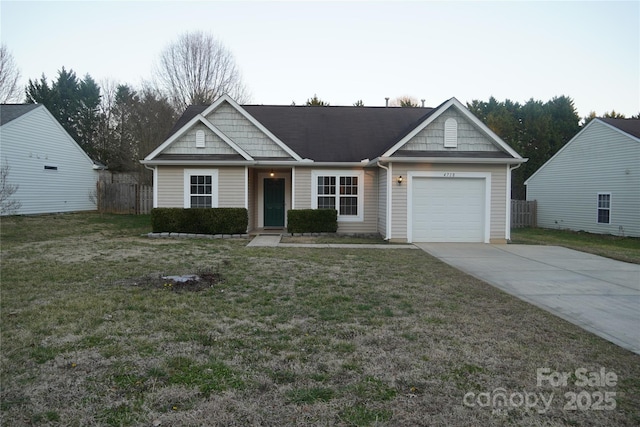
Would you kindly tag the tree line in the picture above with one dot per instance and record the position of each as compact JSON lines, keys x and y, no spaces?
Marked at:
{"x":118,"y":124}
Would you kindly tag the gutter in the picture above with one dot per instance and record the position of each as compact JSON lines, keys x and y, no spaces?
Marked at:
{"x":272,"y":163}
{"x":196,"y":162}
{"x":481,"y":160}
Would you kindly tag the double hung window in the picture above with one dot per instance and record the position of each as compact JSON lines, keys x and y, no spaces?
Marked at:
{"x":604,"y":208}
{"x":341,"y":191}
{"x":200,"y":188}
{"x":200,"y":191}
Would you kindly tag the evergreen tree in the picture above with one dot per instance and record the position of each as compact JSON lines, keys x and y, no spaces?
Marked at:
{"x":536,"y":130}
{"x":316,"y":102}
{"x":74,"y":103}
{"x":88,"y":115}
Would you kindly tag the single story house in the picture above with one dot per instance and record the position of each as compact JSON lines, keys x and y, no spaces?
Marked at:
{"x":52,"y":173}
{"x":592,"y":183}
{"x":408,"y":174}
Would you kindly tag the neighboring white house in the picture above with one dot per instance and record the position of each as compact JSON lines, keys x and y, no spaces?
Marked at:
{"x":52,"y":172}
{"x":593,"y":183}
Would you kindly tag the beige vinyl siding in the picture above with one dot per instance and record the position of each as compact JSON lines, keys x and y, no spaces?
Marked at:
{"x":231,"y":187}
{"x":303,"y":188}
{"x":599,"y":160}
{"x":231,"y":181}
{"x":431,"y":138}
{"x":304,"y":191}
{"x":170,"y":186}
{"x":498,"y":196}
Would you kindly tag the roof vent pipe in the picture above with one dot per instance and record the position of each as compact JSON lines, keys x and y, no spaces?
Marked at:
{"x":422,"y":103}
{"x":386,"y":101}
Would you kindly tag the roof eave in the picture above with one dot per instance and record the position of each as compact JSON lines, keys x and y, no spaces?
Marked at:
{"x":198,"y":162}
{"x":449,"y":160}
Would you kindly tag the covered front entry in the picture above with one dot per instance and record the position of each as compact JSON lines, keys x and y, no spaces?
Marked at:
{"x":448,"y":209}
{"x":274,"y":202}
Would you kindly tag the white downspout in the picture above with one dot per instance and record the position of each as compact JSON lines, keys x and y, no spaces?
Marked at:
{"x":508,"y":220}
{"x":293,"y":187}
{"x":388,"y":203}
{"x":246,"y":188}
{"x":155,"y":184}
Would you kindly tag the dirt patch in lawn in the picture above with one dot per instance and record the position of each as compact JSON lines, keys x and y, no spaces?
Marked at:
{"x":178,"y":283}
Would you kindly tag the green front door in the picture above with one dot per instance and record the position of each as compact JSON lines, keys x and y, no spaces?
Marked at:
{"x":274,"y":202}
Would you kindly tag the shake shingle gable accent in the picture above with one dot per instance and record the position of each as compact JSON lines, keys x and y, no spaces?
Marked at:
{"x":343,"y":134}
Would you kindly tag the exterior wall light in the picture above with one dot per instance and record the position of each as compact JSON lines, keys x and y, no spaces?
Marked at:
{"x":400,"y":180}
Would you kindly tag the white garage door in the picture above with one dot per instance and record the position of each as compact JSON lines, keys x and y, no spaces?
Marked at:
{"x":448,"y":209}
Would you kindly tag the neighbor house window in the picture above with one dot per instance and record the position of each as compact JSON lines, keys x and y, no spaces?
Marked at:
{"x":604,"y":208}
{"x":200,"y":188}
{"x":341,"y":191}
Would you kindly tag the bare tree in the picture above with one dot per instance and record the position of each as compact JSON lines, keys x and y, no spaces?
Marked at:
{"x":404,"y":101}
{"x":7,"y":206}
{"x":9,"y":76}
{"x":197,"y":69}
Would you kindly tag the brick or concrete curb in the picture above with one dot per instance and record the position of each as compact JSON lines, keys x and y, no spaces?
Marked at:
{"x":196,"y":236}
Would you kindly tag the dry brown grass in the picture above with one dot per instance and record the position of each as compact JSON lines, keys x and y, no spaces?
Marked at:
{"x":285,"y":336}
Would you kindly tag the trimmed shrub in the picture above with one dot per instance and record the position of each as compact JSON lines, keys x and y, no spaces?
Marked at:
{"x":312,"y":221}
{"x":200,"y":220}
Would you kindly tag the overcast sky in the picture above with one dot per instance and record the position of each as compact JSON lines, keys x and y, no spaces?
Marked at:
{"x":346,"y":51}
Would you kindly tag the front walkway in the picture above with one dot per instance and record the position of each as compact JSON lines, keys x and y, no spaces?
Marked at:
{"x":598,"y":294}
{"x":273,"y":240}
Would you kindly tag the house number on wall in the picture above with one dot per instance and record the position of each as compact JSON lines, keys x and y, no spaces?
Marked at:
{"x":449,"y":174}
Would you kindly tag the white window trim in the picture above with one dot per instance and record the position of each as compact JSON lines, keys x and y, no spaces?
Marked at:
{"x":338,"y":174}
{"x":598,"y":208}
{"x":187,"y":185}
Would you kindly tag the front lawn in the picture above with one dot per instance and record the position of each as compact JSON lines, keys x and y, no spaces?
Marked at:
{"x":621,"y":248}
{"x":92,"y":335}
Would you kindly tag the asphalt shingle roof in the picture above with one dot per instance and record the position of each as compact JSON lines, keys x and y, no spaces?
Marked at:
{"x":630,"y":126}
{"x":331,"y":134}
{"x":9,"y":112}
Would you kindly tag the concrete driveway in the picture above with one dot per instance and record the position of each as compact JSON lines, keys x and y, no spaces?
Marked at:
{"x":598,"y":294}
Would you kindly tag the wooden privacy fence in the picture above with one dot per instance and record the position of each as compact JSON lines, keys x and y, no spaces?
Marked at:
{"x":123,"y":198}
{"x":524,"y":213}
